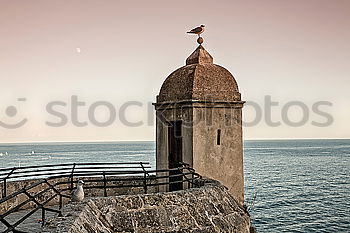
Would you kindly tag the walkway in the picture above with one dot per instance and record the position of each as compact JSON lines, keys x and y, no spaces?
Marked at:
{"x":31,"y":224}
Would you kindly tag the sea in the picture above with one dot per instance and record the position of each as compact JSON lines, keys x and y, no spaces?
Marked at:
{"x":290,"y":185}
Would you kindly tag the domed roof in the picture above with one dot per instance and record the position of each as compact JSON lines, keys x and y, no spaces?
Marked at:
{"x":200,"y":79}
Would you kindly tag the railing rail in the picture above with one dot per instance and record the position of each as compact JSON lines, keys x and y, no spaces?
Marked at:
{"x":59,"y":179}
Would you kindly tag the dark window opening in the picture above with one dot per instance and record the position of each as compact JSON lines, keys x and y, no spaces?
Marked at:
{"x":218,"y":137}
{"x":175,"y":154}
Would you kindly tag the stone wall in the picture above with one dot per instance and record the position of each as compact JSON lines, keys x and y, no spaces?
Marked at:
{"x":90,"y":191}
{"x":223,"y":161}
{"x":209,"y":208}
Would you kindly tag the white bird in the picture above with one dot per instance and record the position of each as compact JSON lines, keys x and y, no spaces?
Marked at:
{"x":78,"y":193}
{"x":198,"y":30}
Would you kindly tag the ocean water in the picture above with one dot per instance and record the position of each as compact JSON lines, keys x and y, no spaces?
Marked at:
{"x":290,"y":185}
{"x":298,"y":185}
{"x":14,"y":155}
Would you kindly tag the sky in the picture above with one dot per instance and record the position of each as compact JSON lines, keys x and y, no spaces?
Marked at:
{"x":88,"y":70}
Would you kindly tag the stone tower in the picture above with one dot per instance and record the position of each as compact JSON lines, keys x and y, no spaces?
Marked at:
{"x":198,"y":114}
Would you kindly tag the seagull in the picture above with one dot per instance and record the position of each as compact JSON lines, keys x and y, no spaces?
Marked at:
{"x":198,"y":30}
{"x":78,"y":193}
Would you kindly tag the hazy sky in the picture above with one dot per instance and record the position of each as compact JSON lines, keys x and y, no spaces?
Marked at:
{"x":119,"y":51}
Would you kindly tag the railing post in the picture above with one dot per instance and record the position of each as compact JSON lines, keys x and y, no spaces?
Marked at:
{"x":184,"y":176}
{"x":71,"y":177}
{"x":144,"y":178}
{"x":43,"y":216}
{"x":60,"y":201}
{"x":145,"y":183}
{"x":4,"y":191}
{"x":192,"y":178}
{"x":104,"y":183}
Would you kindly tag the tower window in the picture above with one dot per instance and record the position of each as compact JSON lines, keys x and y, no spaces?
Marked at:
{"x":218,"y":137}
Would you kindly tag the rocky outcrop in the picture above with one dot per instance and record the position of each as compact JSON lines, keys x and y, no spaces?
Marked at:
{"x":209,"y":208}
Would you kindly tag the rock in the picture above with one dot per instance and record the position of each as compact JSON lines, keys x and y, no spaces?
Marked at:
{"x":206,"y":209}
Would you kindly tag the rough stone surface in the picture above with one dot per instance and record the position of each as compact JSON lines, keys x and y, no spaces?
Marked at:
{"x":200,"y":55}
{"x":207,"y":209}
{"x":200,"y":79}
{"x":222,"y":162}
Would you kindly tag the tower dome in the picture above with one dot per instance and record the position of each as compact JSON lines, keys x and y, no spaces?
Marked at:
{"x":200,"y":80}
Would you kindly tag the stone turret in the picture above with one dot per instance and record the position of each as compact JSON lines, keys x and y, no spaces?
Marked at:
{"x":199,"y":112}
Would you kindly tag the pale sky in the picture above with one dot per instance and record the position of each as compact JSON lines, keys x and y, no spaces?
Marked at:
{"x":120,"y":51}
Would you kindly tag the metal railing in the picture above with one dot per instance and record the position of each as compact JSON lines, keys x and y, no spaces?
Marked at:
{"x":62,"y":170}
{"x":31,"y":198}
{"x":53,"y":182}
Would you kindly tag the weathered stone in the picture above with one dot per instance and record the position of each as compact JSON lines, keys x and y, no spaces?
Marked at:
{"x":203,"y":100}
{"x":199,"y":56}
{"x":199,"y":82}
{"x":120,"y":221}
{"x":191,"y":210}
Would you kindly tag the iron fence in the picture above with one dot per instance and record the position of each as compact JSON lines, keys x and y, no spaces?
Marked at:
{"x":55,"y":181}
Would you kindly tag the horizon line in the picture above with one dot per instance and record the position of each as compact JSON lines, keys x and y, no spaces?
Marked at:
{"x":114,"y":141}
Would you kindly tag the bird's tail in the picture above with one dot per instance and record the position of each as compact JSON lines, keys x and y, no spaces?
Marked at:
{"x":189,"y":32}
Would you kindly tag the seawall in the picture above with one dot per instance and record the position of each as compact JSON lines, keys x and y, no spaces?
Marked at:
{"x":209,"y":208}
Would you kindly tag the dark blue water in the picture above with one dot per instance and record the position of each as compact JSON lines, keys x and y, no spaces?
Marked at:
{"x":300,"y":186}
{"x":14,"y":155}
{"x":291,"y":186}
